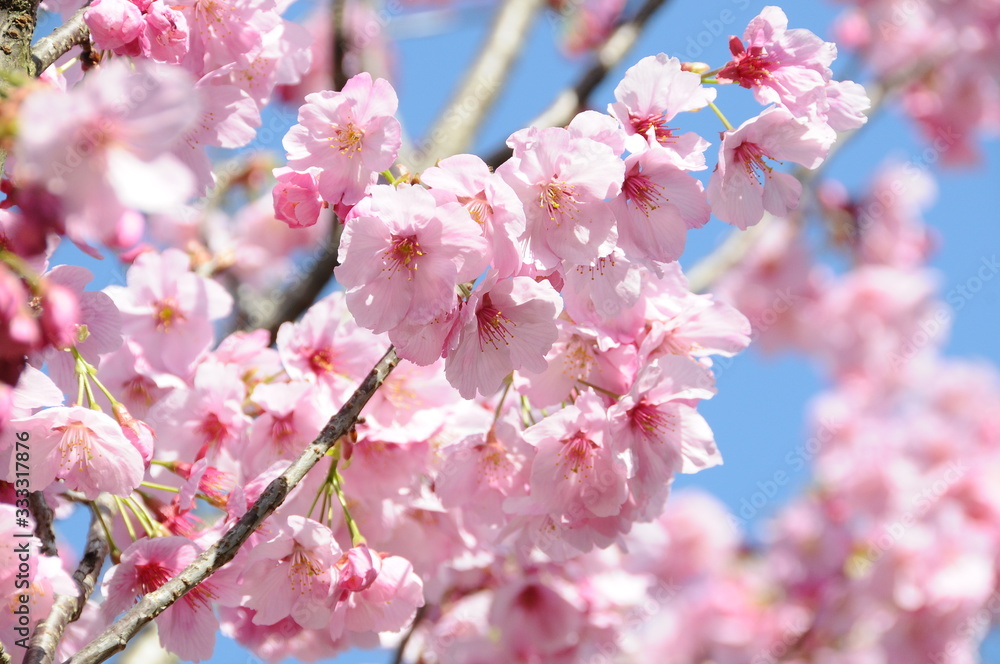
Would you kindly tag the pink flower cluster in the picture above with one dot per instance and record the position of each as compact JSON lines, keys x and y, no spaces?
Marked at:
{"x":944,"y":55}
{"x":554,"y":354}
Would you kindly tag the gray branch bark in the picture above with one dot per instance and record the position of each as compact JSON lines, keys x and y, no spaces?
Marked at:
{"x":49,"y":49}
{"x":17,"y":27}
{"x":43,"y":522}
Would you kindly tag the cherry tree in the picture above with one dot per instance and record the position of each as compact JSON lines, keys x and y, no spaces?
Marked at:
{"x":364,"y":390}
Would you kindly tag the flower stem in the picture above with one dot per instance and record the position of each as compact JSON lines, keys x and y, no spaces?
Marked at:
{"x":722,"y":117}
{"x":503,"y":397}
{"x":602,"y":390}
{"x":113,"y":548}
{"x":356,"y":537}
{"x":162,"y":487}
{"x":128,"y":521}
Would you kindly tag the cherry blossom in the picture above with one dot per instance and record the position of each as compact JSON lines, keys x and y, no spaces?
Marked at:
{"x":515,"y":471}
{"x":84,"y":448}
{"x":427,"y":248}
{"x":658,"y":204}
{"x":563,"y":182}
{"x":505,"y":325}
{"x":651,"y":95}
{"x":293,"y":575}
{"x":349,"y":136}
{"x":745,"y":185}
{"x":188,"y":627}
{"x":103,"y":153}
{"x":169,"y":309}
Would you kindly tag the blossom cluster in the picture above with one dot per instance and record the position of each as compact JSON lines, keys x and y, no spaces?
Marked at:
{"x":554,"y":356}
{"x":943,"y":55}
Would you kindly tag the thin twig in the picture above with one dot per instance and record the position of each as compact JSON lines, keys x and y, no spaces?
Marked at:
{"x":574,"y":99}
{"x":457,"y":125}
{"x":49,"y":49}
{"x":338,"y":45}
{"x":67,"y":608}
{"x":43,"y":522}
{"x":116,"y":637}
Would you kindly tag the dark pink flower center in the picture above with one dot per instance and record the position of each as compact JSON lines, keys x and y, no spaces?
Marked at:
{"x":137,"y":390}
{"x":643,"y":123}
{"x":643,"y":193}
{"x":216,"y":484}
{"x":577,"y":452}
{"x":752,"y":158}
{"x":321,"y":361}
{"x":748,"y":68}
{"x":402,"y":254}
{"x":150,"y":576}
{"x":493,"y":325}
{"x":655,"y":424}
{"x":167,"y":313}
{"x":530,"y":598}
{"x":283,"y":431}
{"x":215,"y":431}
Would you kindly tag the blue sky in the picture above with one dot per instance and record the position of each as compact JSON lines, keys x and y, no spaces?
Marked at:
{"x":758,"y":415}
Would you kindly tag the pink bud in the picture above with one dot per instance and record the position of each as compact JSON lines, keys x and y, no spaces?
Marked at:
{"x":60,"y":315}
{"x":114,"y":24}
{"x":142,"y":437}
{"x":296,"y":198}
{"x":359,"y":568}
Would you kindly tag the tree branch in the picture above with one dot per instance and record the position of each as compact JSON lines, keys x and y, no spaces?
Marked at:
{"x":73,"y":32}
{"x":17,"y":26}
{"x":572,"y":100}
{"x":116,"y":637}
{"x":398,"y":656}
{"x":292,"y":301}
{"x":67,"y":608}
{"x":338,"y":45}
{"x":145,"y":648}
{"x":4,"y":655}
{"x":456,"y":126}
{"x":43,"y":522}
